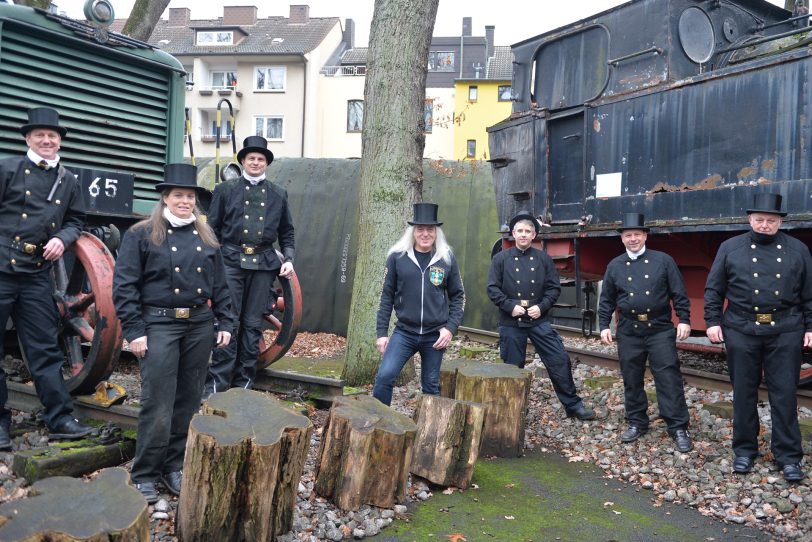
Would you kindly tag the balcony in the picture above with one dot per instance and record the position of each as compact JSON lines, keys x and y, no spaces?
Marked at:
{"x":211,"y":138}
{"x":209,"y":97}
{"x":339,"y":71}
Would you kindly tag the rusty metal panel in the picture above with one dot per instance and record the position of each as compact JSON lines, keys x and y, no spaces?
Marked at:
{"x":698,"y":152}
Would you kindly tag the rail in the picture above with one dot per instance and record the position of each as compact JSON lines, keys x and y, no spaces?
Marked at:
{"x":700,"y":379}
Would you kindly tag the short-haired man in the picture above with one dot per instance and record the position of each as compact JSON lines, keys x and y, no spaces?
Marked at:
{"x":766,"y":277}
{"x":641,"y":284}
{"x":41,"y":215}
{"x":523,"y":283}
{"x":249,"y":214}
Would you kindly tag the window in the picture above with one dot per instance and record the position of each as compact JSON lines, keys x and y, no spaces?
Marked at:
{"x":471,"y":150}
{"x":355,"y":115}
{"x":441,"y":61}
{"x":428,"y":116}
{"x":215,"y":38}
{"x":270,"y":78}
{"x":270,"y":127}
{"x":225,"y":129}
{"x":472,"y":93}
{"x":223,"y":80}
{"x":505,"y":93}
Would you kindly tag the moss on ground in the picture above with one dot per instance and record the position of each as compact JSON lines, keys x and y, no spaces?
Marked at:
{"x":539,"y":497}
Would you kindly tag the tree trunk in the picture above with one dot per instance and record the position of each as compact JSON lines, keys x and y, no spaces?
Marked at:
{"x":143,"y":18}
{"x":391,"y":165}
{"x":63,"y":508}
{"x":365,"y":453}
{"x":448,"y":375}
{"x":244,"y":458}
{"x":504,"y":390}
{"x":447,"y":442}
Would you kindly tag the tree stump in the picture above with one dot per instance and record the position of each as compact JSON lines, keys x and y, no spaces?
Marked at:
{"x":504,"y":390}
{"x":244,"y":458}
{"x":365,"y":453}
{"x":448,"y":375}
{"x":65,"y":509}
{"x":447,"y":442}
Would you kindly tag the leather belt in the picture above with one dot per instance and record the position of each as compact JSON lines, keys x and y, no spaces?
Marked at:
{"x":175,"y":313}
{"x":17,"y":244}
{"x":762,"y":317}
{"x":646,"y":316}
{"x":249,"y":249}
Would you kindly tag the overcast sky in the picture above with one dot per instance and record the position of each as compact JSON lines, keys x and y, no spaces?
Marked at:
{"x":512,"y":19}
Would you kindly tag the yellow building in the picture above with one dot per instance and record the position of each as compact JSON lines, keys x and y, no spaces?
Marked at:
{"x":480,"y":103}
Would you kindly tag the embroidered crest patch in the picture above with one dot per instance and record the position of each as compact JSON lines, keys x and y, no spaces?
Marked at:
{"x":436,"y":275}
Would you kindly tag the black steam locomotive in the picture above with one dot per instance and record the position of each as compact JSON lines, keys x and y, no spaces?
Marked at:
{"x":678,"y":109}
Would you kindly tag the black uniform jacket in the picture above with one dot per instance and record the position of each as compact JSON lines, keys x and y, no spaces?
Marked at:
{"x":424,"y":301}
{"x":27,"y":219}
{"x":525,"y":278}
{"x":767,"y":281}
{"x":642,"y":290}
{"x":256,"y":216}
{"x":183,"y":272}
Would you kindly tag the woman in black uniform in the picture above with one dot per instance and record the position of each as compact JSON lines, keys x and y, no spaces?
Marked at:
{"x":169,"y":289}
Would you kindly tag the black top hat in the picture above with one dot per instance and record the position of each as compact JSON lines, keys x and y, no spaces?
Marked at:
{"x":767,"y":202}
{"x":525,"y":215}
{"x":255,"y":144}
{"x":425,"y":214}
{"x":181,"y":176}
{"x":632,"y":221}
{"x":43,"y":117}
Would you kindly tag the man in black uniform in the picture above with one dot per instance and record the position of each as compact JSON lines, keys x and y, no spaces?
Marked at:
{"x":248,"y":215}
{"x":40,"y":216}
{"x":766,"y":277}
{"x":523,"y":283}
{"x":641,"y":284}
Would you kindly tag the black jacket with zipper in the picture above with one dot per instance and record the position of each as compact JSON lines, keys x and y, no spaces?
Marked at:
{"x":424,"y":301}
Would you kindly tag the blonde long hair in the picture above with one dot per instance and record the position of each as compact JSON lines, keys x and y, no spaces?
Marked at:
{"x":155,"y":223}
{"x":406,"y":242}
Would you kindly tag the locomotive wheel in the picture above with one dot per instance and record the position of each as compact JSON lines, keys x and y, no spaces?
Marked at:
{"x":90,"y":333}
{"x":283,"y":321}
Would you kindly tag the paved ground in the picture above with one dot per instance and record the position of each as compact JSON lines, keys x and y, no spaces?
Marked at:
{"x":542,"y":497}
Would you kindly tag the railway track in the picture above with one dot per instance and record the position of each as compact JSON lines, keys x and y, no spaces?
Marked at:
{"x":700,"y":379}
{"x":321,"y":390}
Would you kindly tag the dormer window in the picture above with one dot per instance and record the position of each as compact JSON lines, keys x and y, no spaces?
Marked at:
{"x":222,"y":37}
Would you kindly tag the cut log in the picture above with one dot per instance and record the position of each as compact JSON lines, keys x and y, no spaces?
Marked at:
{"x":244,"y":457}
{"x":71,"y":458}
{"x":365,"y":453}
{"x":447,"y":442}
{"x":448,"y":375}
{"x":504,"y":390}
{"x":64,"y":509}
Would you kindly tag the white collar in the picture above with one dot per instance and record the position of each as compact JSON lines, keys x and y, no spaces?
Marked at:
{"x":36,"y":158}
{"x":254,"y":180}
{"x":634,"y":255}
{"x":177,"y":221}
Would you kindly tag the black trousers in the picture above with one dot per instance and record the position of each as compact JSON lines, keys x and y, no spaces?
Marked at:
{"x":550,"y":348}
{"x":779,"y":357}
{"x":28,"y":300}
{"x":660,"y":349}
{"x":236,"y":365}
{"x":172,"y":377}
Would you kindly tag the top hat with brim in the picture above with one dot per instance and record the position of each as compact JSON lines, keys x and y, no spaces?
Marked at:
{"x":43,"y":117}
{"x":632,"y":221}
{"x":767,"y":202}
{"x":524,"y":215}
{"x":181,"y":176}
{"x":425,"y":214}
{"x":255,"y":144}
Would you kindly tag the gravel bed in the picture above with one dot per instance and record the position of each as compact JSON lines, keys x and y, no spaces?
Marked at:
{"x":702,"y":479}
